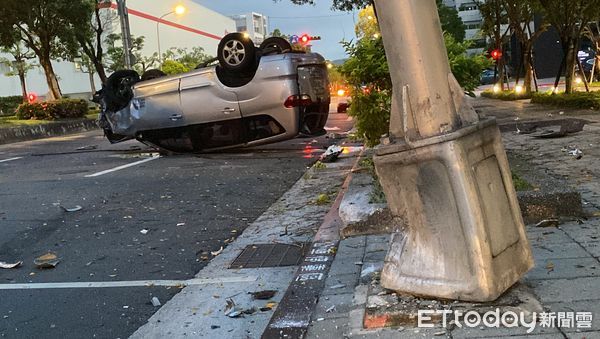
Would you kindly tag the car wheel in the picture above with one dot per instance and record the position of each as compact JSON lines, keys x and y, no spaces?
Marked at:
{"x":118,"y":91}
{"x":153,"y":74}
{"x":236,"y":52}
{"x":277,"y":44}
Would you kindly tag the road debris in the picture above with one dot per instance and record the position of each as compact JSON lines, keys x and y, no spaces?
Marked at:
{"x":155,"y":302}
{"x":215,"y":253}
{"x":268,"y":307}
{"x":263,"y":295}
{"x":550,"y":267}
{"x":48,"y":260}
{"x":74,"y":209}
{"x":548,"y":223}
{"x":330,"y":309}
{"x":577,"y":153}
{"x":332,"y":154}
{"x":144,"y":231}
{"x":8,"y":266}
{"x":87,"y":148}
{"x":335,"y":287}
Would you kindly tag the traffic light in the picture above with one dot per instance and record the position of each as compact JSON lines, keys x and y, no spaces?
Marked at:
{"x":496,"y":54}
{"x":305,"y":39}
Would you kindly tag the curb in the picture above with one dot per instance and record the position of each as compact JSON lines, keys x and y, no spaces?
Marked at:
{"x":26,"y":133}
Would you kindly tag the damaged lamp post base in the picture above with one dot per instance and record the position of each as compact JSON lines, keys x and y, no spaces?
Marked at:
{"x":445,"y":173}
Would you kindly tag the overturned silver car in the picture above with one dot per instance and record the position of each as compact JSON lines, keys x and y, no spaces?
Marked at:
{"x":253,"y":96}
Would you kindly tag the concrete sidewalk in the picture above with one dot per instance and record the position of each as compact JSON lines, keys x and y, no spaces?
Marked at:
{"x":343,"y":296}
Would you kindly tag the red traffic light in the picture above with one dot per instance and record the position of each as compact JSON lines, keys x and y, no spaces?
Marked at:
{"x":31,"y":98}
{"x":496,"y":54}
{"x":305,"y":39}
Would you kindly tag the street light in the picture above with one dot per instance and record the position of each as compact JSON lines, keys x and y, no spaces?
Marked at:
{"x":179,"y":10}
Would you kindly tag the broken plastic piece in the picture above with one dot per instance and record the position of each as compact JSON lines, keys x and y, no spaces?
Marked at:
{"x":548,"y":223}
{"x":74,"y":209}
{"x":144,"y":231}
{"x":215,"y":253}
{"x":332,"y":154}
{"x":48,"y":260}
{"x":155,"y":302}
{"x":8,"y":266}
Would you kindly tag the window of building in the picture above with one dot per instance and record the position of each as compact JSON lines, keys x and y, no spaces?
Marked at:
{"x":468,"y":7}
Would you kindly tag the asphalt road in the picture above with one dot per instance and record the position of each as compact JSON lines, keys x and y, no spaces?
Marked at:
{"x":187,"y":206}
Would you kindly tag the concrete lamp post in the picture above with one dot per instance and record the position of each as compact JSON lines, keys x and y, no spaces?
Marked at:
{"x":445,"y":172}
{"x":179,"y":10}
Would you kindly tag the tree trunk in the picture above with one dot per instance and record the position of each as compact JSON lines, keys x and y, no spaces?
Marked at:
{"x":570,"y":67}
{"x":23,"y":86}
{"x":100,"y":70}
{"x":92,"y":84}
{"x":528,"y":68}
{"x":51,"y":80}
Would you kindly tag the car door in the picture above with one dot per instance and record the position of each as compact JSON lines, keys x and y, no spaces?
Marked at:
{"x":211,"y":110}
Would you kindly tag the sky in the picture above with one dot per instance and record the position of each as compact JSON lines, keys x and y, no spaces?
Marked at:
{"x":332,"y":26}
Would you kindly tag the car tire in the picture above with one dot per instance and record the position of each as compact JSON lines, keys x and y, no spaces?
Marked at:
{"x":236,"y":52}
{"x":153,"y":74}
{"x":276,"y":44}
{"x":118,"y":90}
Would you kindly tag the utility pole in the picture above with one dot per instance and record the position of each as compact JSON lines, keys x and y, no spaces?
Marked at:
{"x":125,"y":32}
{"x":444,"y":172}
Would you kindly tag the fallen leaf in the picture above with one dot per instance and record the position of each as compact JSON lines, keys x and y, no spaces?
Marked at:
{"x":48,"y":260}
{"x":263,"y":295}
{"x":8,"y":266}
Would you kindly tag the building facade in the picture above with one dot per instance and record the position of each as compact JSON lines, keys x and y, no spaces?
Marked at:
{"x":254,"y":24}
{"x":156,"y":22}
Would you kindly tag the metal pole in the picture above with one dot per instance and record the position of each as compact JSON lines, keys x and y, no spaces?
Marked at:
{"x":158,"y":35}
{"x":125,"y":32}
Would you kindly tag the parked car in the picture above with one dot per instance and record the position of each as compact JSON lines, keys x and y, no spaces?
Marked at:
{"x":487,"y":77}
{"x":588,"y":66}
{"x":253,"y":96}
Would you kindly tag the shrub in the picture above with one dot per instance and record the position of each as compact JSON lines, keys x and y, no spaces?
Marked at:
{"x":505,"y":95}
{"x":53,"y":110}
{"x":8,"y":105}
{"x":372,"y":113}
{"x":582,"y":100}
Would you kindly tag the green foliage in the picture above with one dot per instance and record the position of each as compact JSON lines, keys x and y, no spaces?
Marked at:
{"x":371,"y":111}
{"x":451,"y":22}
{"x":506,"y":95}
{"x":8,"y":105}
{"x":183,"y":57}
{"x":53,"y":110}
{"x":584,"y":100}
{"x":341,"y":5}
{"x":171,"y":67}
{"x":367,"y":64}
{"x":466,"y":68}
{"x":115,"y":54}
{"x":520,"y":183}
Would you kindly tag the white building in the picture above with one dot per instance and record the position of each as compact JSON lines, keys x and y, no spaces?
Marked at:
{"x":197,"y":27}
{"x":254,"y":24}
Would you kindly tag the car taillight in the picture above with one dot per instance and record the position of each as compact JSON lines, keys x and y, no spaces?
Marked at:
{"x":297,"y":100}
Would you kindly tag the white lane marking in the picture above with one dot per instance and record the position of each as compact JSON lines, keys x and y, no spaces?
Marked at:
{"x":134,"y":283}
{"x":122,"y":167}
{"x":11,"y":159}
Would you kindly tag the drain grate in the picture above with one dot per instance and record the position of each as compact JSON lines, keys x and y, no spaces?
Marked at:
{"x":271,"y":255}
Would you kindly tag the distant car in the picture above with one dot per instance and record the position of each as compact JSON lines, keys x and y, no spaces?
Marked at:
{"x":489,"y":76}
{"x":588,"y":66}
{"x":253,"y":96}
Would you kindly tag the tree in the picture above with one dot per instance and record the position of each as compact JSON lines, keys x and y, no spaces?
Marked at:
{"x":90,"y":37}
{"x":570,"y":18}
{"x":340,"y":5}
{"x":451,"y":22}
{"x":43,"y":26}
{"x":114,"y":53}
{"x":367,"y":25}
{"x":521,"y":14}
{"x":189,"y":59}
{"x":20,"y":64}
{"x":493,"y":26}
